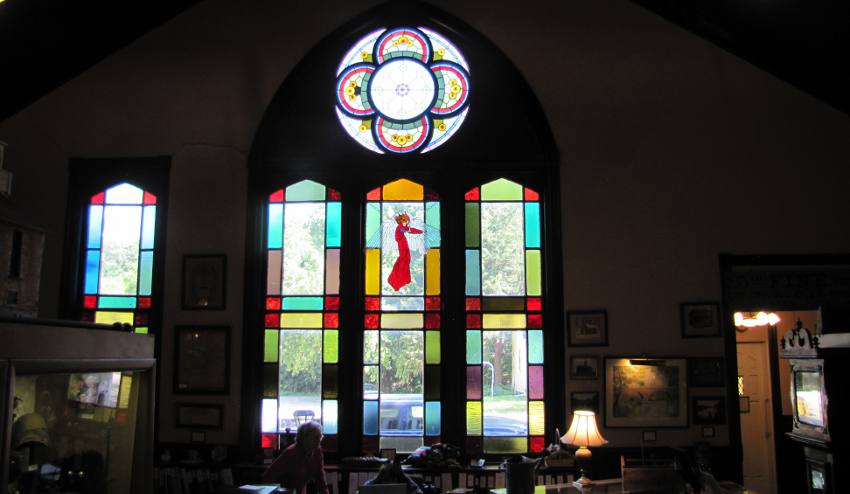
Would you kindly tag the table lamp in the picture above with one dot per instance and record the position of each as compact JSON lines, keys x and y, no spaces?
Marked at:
{"x":583,"y":433}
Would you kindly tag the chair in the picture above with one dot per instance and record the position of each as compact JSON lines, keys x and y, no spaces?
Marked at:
{"x":302,"y":416}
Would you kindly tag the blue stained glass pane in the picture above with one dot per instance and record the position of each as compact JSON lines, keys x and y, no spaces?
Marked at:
{"x":303,"y":303}
{"x":473,"y":272}
{"x":329,"y":416}
{"x":275,"y":240}
{"x":92,"y":271}
{"x":532,"y":224}
{"x":95,"y":226}
{"x":432,"y":220}
{"x":116,"y":302}
{"x":148,"y":223}
{"x":535,"y":347}
{"x":370,"y":418}
{"x":333,"y":231}
{"x":432,"y":418}
{"x":146,"y":273}
{"x":373,"y":225}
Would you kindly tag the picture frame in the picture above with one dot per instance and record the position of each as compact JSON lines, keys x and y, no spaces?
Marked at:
{"x":708,"y":409}
{"x":204,"y":282}
{"x":584,"y":367}
{"x":587,"y":328}
{"x":706,"y":372}
{"x":700,"y":319}
{"x":199,"y":416}
{"x":649,"y":436}
{"x":646,"y":392}
{"x":584,"y":400}
{"x":201,"y":359}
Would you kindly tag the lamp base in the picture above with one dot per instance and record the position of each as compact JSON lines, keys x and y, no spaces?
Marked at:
{"x":583,"y":481}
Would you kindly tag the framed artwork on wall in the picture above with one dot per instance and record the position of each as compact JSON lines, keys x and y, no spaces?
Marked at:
{"x":204,"y":279}
{"x":705,"y":372}
{"x":700,"y":319}
{"x":584,"y":367}
{"x":200,"y":416}
{"x":587,"y":328}
{"x":646,"y":392}
{"x":201,"y":359}
{"x":709,"y":409}
{"x":585,"y":400}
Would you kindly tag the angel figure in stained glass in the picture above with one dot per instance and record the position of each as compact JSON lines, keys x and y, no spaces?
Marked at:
{"x":400,"y":275}
{"x":402,"y":237}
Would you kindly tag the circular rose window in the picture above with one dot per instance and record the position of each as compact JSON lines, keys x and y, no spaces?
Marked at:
{"x":402,"y":90}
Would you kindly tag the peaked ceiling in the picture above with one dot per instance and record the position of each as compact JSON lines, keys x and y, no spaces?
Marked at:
{"x":45,"y":43}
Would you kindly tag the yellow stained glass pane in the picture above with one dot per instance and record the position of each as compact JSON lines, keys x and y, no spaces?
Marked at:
{"x":504,"y":321}
{"x":432,"y":272}
{"x":532,"y":273}
{"x":403,"y":190}
{"x":124,"y":390}
{"x":301,"y":320}
{"x":473,"y":418}
{"x":536,"y":418}
{"x":109,"y":317}
{"x":505,"y":445}
{"x":401,"y":321}
{"x":373,"y":271}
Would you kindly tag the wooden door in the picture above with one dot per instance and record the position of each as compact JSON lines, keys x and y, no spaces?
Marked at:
{"x":757,"y":424}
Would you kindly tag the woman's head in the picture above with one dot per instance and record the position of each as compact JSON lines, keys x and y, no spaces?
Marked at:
{"x":309,"y":435}
{"x":402,"y":219}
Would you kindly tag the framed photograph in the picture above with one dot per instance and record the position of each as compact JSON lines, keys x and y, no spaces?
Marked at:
{"x":708,"y":432}
{"x":646,"y":392}
{"x":204,"y":281}
{"x":584,"y":367}
{"x":388,"y":453}
{"x":585,"y":400}
{"x":700,"y":319}
{"x":649,"y":436}
{"x":200,"y":416}
{"x":587,"y":328}
{"x":201,"y":359}
{"x":709,"y":409}
{"x":705,"y":372}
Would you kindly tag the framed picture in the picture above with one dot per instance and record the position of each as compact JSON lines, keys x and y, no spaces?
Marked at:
{"x":584,"y":367}
{"x":204,"y":281}
{"x":705,"y":372}
{"x":649,"y":436}
{"x":587,"y":328}
{"x":201,"y":359}
{"x":200,"y":416}
{"x":585,"y":400}
{"x":646,"y":392}
{"x":709,"y":409}
{"x":700,"y":319}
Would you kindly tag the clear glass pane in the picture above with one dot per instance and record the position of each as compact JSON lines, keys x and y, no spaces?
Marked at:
{"x":124,"y":194}
{"x":505,"y":383}
{"x":402,"y":383}
{"x":402,"y":303}
{"x":300,"y":377}
{"x":305,"y":190}
{"x":304,"y":249}
{"x":370,"y":382}
{"x":119,"y":266}
{"x":502,"y":249}
{"x":370,"y":347}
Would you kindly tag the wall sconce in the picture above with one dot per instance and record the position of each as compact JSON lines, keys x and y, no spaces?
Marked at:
{"x":747,"y":320}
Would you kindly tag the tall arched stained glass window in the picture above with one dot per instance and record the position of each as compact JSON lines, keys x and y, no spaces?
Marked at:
{"x":401,"y":338}
{"x":119,"y":257}
{"x":504,"y":336}
{"x":301,"y":338}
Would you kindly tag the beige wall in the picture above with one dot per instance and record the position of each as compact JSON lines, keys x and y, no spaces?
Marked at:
{"x":671,"y":152}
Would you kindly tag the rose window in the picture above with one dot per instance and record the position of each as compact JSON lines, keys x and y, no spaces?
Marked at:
{"x":402,"y":90}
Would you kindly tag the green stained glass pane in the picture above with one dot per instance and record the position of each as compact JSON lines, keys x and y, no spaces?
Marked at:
{"x":532,"y":224}
{"x":373,"y":225}
{"x":501,"y":190}
{"x":502,"y":249}
{"x":141,"y":330}
{"x":303,"y":303}
{"x":116,"y":302}
{"x":305,"y":190}
{"x":270,"y":346}
{"x":333,"y":233}
{"x":275,"y":229}
{"x":473,"y":225}
{"x":473,"y":272}
{"x":473,"y":346}
{"x":432,"y":347}
{"x":473,"y":418}
{"x":146,"y":274}
{"x":505,"y":445}
{"x":535,"y":347}
{"x":432,"y":219}
{"x":331,"y":348}
{"x":304,"y":249}
{"x":532,"y":269}
{"x":432,"y":418}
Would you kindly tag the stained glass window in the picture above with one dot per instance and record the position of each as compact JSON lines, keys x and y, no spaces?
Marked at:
{"x":504,"y":335}
{"x":401,"y":339}
{"x":301,"y":335}
{"x":402,"y":90}
{"x":119,"y":254}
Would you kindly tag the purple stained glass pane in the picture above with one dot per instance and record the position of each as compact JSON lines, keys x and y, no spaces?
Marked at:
{"x":473,"y":382}
{"x":535,"y":382}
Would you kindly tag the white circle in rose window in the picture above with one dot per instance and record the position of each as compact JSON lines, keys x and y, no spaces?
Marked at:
{"x":402,"y":89}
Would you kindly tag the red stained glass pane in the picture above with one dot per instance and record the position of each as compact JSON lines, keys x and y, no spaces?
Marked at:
{"x":144,"y":303}
{"x":98,"y":198}
{"x":535,"y":382}
{"x":537,"y":443}
{"x":373,"y":303}
{"x":149,"y":198}
{"x":331,"y":303}
{"x":432,"y":321}
{"x":87,"y":316}
{"x":432,"y":303}
{"x":473,"y":382}
{"x":276,"y":196}
{"x":374,"y":195}
{"x":90,"y":301}
{"x":140,"y":319}
{"x":530,"y":195}
{"x":473,"y":321}
{"x":272,"y":303}
{"x":334,"y":194}
{"x":331,"y":320}
{"x":535,"y":320}
{"x":269,"y":441}
{"x":472,"y":195}
{"x":473,"y":303}
{"x":272,"y":320}
{"x":430,"y":195}
{"x":534,"y":303}
{"x":370,"y":321}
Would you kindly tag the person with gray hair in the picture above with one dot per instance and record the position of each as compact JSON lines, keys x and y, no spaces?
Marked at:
{"x":302,"y":462}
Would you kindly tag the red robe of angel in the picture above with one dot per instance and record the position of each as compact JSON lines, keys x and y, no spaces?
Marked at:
{"x":400,"y":274}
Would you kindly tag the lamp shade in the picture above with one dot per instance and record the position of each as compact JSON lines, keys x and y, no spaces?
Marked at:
{"x":583,"y":431}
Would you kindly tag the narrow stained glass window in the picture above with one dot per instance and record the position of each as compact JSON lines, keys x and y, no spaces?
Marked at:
{"x":401,"y":360}
{"x":301,"y":353}
{"x":504,"y":336}
{"x":118,"y":260}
